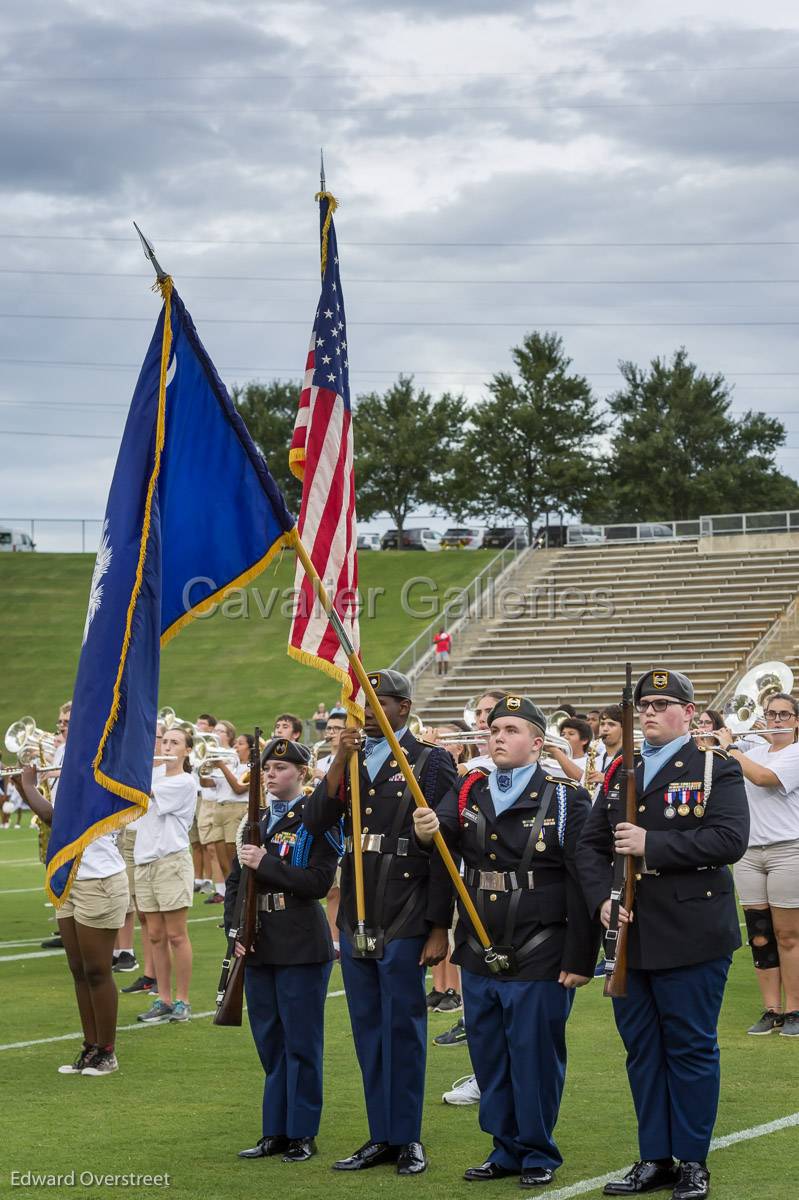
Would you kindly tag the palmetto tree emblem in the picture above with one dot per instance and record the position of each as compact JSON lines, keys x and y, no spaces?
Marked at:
{"x":101,"y":565}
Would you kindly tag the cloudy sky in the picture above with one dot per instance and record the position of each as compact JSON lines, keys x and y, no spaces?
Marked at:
{"x":623,"y":173}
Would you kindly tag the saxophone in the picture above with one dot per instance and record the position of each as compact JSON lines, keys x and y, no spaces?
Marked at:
{"x":590,"y":762}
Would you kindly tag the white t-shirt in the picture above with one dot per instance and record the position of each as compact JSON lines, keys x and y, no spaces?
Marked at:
{"x":164,"y":828}
{"x":223,"y":791}
{"x":774,"y":811}
{"x":323,"y":764}
{"x":101,"y":859}
{"x":553,"y":768}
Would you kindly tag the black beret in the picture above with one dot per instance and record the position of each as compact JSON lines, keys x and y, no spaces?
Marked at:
{"x":659,"y":682}
{"x":391,"y":683}
{"x":519,"y":706}
{"x":285,"y":751}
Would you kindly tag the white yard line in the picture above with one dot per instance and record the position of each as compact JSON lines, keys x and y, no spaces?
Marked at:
{"x":721,"y":1143}
{"x":18,"y":862}
{"x":19,"y":891}
{"x":30,"y":954}
{"x":67,"y":1037}
{"x":48,"y":953}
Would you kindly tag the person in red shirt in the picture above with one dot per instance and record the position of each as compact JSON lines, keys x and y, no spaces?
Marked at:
{"x":443,"y":644}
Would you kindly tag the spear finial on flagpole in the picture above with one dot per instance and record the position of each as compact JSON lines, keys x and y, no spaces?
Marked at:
{"x":322,"y":186}
{"x":149,"y":252}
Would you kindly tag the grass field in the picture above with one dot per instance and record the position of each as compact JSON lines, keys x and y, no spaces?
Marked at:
{"x":234,"y":665}
{"x":187,"y":1097}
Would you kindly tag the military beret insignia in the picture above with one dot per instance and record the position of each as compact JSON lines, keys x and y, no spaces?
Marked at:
{"x":279,"y":749}
{"x":660,"y":679}
{"x":375,"y":680}
{"x":513,"y":703}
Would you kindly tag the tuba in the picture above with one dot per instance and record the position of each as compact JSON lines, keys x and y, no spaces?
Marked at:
{"x":752,"y":693}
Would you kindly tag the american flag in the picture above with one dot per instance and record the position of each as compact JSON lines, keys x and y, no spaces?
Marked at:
{"x":321,"y":457}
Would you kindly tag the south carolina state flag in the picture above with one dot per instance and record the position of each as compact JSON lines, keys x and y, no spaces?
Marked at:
{"x":193,"y":511}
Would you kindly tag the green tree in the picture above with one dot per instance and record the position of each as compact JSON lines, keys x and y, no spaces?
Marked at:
{"x":269,"y":410}
{"x":525,"y":451}
{"x":677,"y":451}
{"x":404,"y":446}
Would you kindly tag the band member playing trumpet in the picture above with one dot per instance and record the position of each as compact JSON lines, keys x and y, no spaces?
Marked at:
{"x":517,"y":831}
{"x":692,"y":821}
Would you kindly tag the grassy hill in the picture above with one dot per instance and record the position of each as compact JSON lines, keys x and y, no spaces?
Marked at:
{"x":233,"y":663}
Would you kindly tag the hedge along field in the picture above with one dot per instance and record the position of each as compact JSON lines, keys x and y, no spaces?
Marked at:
{"x":233,"y":663}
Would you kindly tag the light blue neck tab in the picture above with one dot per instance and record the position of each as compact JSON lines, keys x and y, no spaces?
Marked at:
{"x":506,"y":786}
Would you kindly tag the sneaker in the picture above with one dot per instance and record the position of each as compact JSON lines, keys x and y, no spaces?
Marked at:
{"x":790,"y":1026}
{"x":770,"y":1022}
{"x":159,"y":1014}
{"x":450,"y":1002}
{"x":215,"y":899}
{"x":432,"y":998}
{"x":464,"y":1091}
{"x":53,"y":943}
{"x":206,"y":887}
{"x":599,"y":969}
{"x":456,"y":1036}
{"x":103,"y":1063}
{"x":143,"y":984}
{"x":181,"y":1011}
{"x":83,"y":1060}
{"x":125,"y":962}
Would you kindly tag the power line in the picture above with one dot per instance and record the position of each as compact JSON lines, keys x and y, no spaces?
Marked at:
{"x":422,"y":324}
{"x":98,"y":437}
{"x":397,"y":106}
{"x":395,"y":281}
{"x":90,"y":237}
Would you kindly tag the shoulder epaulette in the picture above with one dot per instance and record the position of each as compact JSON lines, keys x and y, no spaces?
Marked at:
{"x":559,"y":779}
{"x":467,"y":785}
{"x":721,"y":753}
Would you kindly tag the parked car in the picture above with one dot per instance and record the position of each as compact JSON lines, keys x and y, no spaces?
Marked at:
{"x":584,"y":535}
{"x":15,"y":540}
{"x":500,"y":536}
{"x":412,"y":539}
{"x":646,"y":532}
{"x":549,"y":537}
{"x":463,"y":537}
{"x":369,"y":541}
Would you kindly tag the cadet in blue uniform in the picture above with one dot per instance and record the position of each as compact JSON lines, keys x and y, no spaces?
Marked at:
{"x":517,"y":831}
{"x":285,"y":980}
{"x":693,"y":821}
{"x":385,"y":991}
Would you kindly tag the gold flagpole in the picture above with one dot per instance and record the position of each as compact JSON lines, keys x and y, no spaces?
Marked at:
{"x":496,"y":962}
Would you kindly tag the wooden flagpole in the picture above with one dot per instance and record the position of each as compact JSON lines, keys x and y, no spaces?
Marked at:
{"x":496,"y":962}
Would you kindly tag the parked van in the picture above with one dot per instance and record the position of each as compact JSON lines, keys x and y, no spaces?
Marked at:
{"x":15,"y":539}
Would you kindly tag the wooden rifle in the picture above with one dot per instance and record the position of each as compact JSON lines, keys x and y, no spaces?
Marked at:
{"x":230,"y":992}
{"x":623,"y":891}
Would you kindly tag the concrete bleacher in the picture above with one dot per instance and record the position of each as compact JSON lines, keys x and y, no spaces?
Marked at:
{"x":672,"y":605}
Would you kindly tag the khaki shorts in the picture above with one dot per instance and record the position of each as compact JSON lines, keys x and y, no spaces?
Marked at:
{"x":125,"y":846}
{"x":194,"y":833}
{"x":166,"y":884}
{"x":227,"y":819}
{"x":769,"y":875}
{"x":98,"y":903}
{"x":205,"y":820}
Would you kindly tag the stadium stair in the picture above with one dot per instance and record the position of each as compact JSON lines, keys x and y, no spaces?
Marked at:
{"x":671,"y":605}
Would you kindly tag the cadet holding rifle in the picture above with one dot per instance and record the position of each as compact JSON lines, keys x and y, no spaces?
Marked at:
{"x":692,"y":822}
{"x":289,"y":961}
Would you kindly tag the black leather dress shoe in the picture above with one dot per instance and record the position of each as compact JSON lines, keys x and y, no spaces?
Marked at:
{"x":299,"y":1149}
{"x":411,"y":1159}
{"x":266,"y":1147}
{"x":693,"y":1182}
{"x":536,"y":1176}
{"x":371,"y":1154}
{"x":643,"y":1176}
{"x":487,"y":1171}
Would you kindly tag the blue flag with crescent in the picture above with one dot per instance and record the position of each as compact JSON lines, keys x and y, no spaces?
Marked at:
{"x":193,"y":511}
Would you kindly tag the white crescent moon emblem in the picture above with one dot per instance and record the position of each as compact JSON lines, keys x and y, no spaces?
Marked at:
{"x":171,"y":369}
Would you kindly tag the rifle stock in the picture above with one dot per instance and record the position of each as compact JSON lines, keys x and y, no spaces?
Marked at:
{"x":230,"y":992}
{"x":623,"y":892}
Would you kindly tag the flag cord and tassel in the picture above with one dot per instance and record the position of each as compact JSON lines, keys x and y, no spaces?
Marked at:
{"x":332,"y":205}
{"x":494,"y":960}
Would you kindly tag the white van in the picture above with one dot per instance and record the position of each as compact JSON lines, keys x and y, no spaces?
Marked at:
{"x":15,"y":539}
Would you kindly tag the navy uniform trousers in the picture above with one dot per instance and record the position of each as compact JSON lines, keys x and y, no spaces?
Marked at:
{"x":668,"y":1026}
{"x":517,"y":1044}
{"x":286,"y":1007}
{"x":388,"y":1013}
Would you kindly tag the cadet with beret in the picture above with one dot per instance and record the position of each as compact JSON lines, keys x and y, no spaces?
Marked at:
{"x":693,"y":821}
{"x":285,"y":979}
{"x":385,"y":988}
{"x":517,"y":831}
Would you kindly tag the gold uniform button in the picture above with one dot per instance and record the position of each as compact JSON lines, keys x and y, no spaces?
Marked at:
{"x":492,"y":857}
{"x":365,"y":829}
{"x":291,"y":814}
{"x":533,"y":795}
{"x":678,"y":763}
{"x":474,"y":808}
{"x":494,"y":837}
{"x":399,"y":793}
{"x":393,"y":762}
{"x":371,"y":791}
{"x":637,"y":876}
{"x":708,"y":893}
{"x":493,"y":896}
{"x":368,"y":812}
{"x":641,"y":808}
{"x":406,"y":874}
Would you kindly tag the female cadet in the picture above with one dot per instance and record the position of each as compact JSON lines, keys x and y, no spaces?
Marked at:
{"x":287,"y":972}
